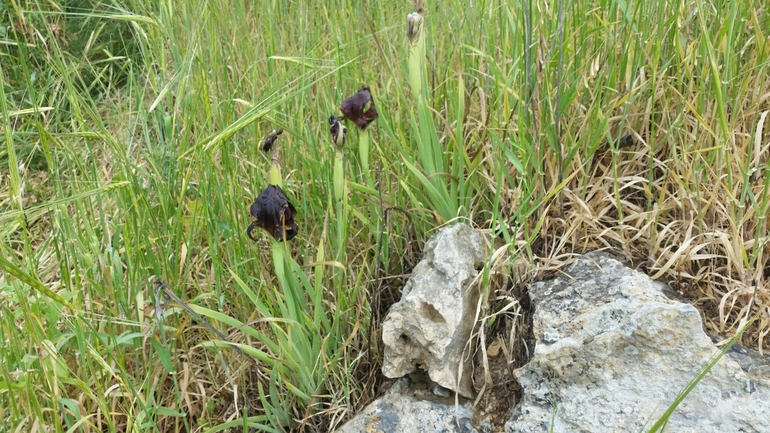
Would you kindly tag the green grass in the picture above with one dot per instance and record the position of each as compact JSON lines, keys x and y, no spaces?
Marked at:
{"x":130,"y":153}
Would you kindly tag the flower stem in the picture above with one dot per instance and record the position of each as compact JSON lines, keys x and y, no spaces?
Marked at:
{"x":363,"y":152}
{"x":274,"y":174}
{"x":339,"y":176}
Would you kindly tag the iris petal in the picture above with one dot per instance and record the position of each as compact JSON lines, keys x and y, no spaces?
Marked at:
{"x":275,"y":214}
{"x":360,"y":108}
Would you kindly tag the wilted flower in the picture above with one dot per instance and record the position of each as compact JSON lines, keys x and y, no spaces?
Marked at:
{"x":274,"y":213}
{"x":626,"y":141}
{"x":339,"y":132}
{"x":360,"y":108}
{"x":270,"y":140}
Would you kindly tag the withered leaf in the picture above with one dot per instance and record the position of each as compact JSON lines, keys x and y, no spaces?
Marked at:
{"x":360,"y":108}
{"x":275,"y":214}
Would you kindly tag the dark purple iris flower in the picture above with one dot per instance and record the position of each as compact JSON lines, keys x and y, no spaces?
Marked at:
{"x":275,"y":214}
{"x":360,"y":108}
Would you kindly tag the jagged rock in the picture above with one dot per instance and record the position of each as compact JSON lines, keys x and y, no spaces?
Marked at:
{"x":612,"y":352}
{"x":431,"y":324}
{"x":397,"y":412}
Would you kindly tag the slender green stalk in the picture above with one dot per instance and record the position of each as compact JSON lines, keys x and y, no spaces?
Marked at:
{"x":663,"y":420}
{"x":437,"y":182}
{"x":416,"y":55}
{"x":363,"y":152}
{"x":13,"y":165}
{"x":340,"y":185}
{"x":341,"y":195}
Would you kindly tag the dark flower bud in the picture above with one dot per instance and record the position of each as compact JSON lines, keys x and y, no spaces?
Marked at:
{"x":339,"y":132}
{"x":413,"y":26}
{"x":360,"y":108}
{"x":274,"y":213}
{"x":270,"y":140}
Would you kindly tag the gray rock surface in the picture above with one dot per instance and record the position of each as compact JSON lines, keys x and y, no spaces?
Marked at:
{"x":612,"y":352}
{"x":431,"y":324}
{"x":397,"y":412}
